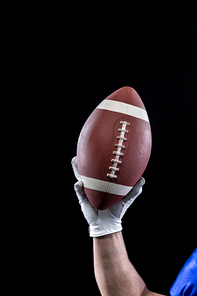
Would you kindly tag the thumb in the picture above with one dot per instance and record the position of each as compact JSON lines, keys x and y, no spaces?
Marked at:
{"x":119,"y":209}
{"x":132,"y":195}
{"x":137,"y":190}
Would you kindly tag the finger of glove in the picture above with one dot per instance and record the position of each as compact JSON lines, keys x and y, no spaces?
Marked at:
{"x":89,"y":212}
{"x":78,"y":187}
{"x":133,"y":194}
{"x":75,"y":167}
{"x":120,"y":207}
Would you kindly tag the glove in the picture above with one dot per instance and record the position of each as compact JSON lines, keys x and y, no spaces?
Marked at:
{"x":103,"y":222}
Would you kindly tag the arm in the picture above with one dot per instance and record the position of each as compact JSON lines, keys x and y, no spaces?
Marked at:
{"x":115,"y":275}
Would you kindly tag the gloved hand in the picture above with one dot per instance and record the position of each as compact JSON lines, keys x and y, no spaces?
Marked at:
{"x":103,"y":222}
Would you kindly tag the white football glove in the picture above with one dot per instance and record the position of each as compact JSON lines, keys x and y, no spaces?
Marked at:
{"x":103,"y":222}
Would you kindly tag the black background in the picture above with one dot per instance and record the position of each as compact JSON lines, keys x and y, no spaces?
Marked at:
{"x":71,"y":57}
{"x":150,"y":46}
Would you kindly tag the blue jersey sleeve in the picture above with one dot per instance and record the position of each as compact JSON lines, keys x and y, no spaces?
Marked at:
{"x":186,"y":282}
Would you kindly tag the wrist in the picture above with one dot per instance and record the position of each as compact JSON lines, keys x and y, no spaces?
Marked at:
{"x":98,"y":231}
{"x":108,"y":237}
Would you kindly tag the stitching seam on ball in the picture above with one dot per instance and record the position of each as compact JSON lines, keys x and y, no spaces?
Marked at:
{"x":118,"y":153}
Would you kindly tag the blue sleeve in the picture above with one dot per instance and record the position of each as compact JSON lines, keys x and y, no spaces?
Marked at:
{"x":186,"y":282}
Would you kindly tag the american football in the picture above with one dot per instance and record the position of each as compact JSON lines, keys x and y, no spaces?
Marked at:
{"x":114,"y":147}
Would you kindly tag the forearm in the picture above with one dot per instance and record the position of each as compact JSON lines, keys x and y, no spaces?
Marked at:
{"x":114,"y":272}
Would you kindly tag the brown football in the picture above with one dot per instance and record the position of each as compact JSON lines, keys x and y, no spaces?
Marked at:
{"x":114,"y":147}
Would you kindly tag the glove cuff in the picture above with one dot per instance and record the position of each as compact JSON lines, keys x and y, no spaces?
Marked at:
{"x":96,"y":231}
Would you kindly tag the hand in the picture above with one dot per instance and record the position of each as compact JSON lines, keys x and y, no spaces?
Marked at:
{"x":103,"y":222}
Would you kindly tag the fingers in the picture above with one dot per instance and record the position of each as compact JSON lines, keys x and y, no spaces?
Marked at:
{"x":75,"y":167}
{"x":89,"y":212}
{"x":78,"y":187}
{"x":74,"y":159}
